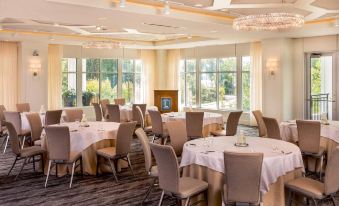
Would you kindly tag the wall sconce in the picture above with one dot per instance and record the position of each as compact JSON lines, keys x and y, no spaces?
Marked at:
{"x":35,"y":63}
{"x":272,"y":66}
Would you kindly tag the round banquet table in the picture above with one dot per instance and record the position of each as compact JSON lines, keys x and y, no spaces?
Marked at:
{"x":87,"y":140}
{"x":204,"y":159}
{"x":212,"y":121}
{"x":126,"y":113}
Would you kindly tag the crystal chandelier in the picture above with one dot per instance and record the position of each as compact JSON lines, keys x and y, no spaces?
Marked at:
{"x":268,"y":22}
{"x":102,"y":45}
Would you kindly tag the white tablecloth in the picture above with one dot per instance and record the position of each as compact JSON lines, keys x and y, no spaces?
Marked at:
{"x":275,"y":163}
{"x":289,"y":131}
{"x":209,"y":117}
{"x":126,"y":113}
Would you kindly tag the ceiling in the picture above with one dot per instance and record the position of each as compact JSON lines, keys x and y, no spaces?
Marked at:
{"x":142,"y":24}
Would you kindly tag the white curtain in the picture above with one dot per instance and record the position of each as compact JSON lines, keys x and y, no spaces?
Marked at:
{"x":54,"y":76}
{"x":256,"y":77}
{"x":173,"y":61}
{"x":9,"y":74}
{"x":148,"y":59}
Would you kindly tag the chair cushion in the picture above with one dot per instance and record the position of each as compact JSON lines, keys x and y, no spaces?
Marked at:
{"x":189,"y":186}
{"x":37,"y":142}
{"x":31,"y":151}
{"x":218,"y":133}
{"x":319,"y":154}
{"x":25,"y":133}
{"x":148,"y":129}
{"x":154,"y":171}
{"x":108,"y":152}
{"x":308,"y":187}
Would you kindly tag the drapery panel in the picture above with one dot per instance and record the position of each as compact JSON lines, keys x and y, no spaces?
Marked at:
{"x":54,"y":76}
{"x":9,"y":74}
{"x":148,"y":59}
{"x":173,"y":61}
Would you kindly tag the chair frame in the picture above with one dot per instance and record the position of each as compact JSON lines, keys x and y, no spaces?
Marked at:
{"x":292,"y":192}
{"x":27,"y":160}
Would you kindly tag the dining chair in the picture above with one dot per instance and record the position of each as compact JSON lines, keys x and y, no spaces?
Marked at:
{"x":231,"y":125}
{"x":194,"y":124}
{"x":15,"y":119}
{"x":242,"y":178}
{"x":170,"y":181}
{"x":136,"y":115}
{"x":309,"y":141}
{"x":316,"y":190}
{"x":27,"y":154}
{"x":23,"y":107}
{"x":158,"y":130}
{"x":113,"y":111}
{"x":59,"y":150}
{"x":3,"y":132}
{"x":121,"y":150}
{"x":53,"y":117}
{"x":73,"y":115}
{"x":147,"y":129}
{"x":120,"y":101}
{"x":178,"y":135}
{"x":103,"y":104}
{"x":98,"y":112}
{"x":260,"y":122}
{"x":152,"y":171}
{"x":273,"y":129}
{"x":34,"y":121}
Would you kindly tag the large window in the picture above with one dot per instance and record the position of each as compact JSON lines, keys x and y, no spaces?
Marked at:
{"x":99,"y":79}
{"x":222,"y":83}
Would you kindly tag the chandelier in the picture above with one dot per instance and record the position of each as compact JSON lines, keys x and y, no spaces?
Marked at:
{"x":102,"y":45}
{"x":268,"y":22}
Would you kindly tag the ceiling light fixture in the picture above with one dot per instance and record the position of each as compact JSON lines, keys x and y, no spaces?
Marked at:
{"x":98,"y":28}
{"x":122,"y":3}
{"x":198,"y":5}
{"x":56,"y":24}
{"x":102,"y":45}
{"x":166,"y":10}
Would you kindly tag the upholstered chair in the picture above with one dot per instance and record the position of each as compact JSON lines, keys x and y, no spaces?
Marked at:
{"x":194,"y":124}
{"x":231,"y":125}
{"x":15,"y":119}
{"x":23,"y":107}
{"x":103,"y":104}
{"x":98,"y":112}
{"x":73,"y":115}
{"x":136,"y":114}
{"x":113,"y":111}
{"x":273,"y":129}
{"x":120,"y":101}
{"x":147,"y":129}
{"x":34,"y":121}
{"x":260,"y":122}
{"x":3,"y":132}
{"x":158,"y":130}
{"x":178,"y":135}
{"x":53,"y":117}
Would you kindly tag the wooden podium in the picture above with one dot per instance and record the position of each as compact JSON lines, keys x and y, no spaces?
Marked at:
{"x":166,"y":100}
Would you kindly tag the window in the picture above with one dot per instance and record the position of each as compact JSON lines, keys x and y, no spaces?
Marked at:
{"x":69,"y":82}
{"x":109,"y":79}
{"x":222,"y":84}
{"x":132,"y":81}
{"x":90,"y":81}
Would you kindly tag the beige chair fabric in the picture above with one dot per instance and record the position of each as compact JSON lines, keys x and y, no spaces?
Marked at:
{"x":15,"y":119}
{"x":242,"y":177}
{"x":23,"y":107}
{"x":73,"y":115}
{"x":122,"y":149}
{"x":317,"y":190}
{"x":103,"y":104}
{"x":231,"y":125}
{"x":34,"y":121}
{"x":273,"y":129}
{"x":178,"y":135}
{"x":53,"y":117}
{"x":2,"y":116}
{"x":3,"y":128}
{"x":59,"y":150}
{"x":98,"y":112}
{"x":23,"y":154}
{"x":169,"y":176}
{"x":158,"y":130}
{"x":113,"y":112}
{"x":135,"y":113}
{"x":260,"y":122}
{"x":120,"y":101}
{"x":194,"y":124}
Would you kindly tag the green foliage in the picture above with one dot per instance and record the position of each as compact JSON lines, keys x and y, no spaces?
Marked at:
{"x":315,"y":76}
{"x":69,"y":98}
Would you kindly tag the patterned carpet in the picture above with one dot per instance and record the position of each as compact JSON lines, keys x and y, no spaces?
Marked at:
{"x":89,"y":190}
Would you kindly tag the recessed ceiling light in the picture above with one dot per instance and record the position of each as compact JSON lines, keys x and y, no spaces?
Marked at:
{"x":166,"y":9}
{"x":223,"y":10}
{"x":98,"y":28}
{"x":198,"y":5}
{"x":56,"y":24}
{"x":51,"y":38}
{"x":189,"y":37}
{"x":213,"y":31}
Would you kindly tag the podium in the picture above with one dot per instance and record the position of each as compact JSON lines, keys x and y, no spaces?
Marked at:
{"x":166,"y":100}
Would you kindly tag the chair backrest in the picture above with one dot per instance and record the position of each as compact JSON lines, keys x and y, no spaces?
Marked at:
{"x":104,"y":103}
{"x":309,"y":136}
{"x":13,"y":135}
{"x":232,"y":123}
{"x":194,"y":123}
{"x":178,"y":135}
{"x":332,"y":174}
{"x":124,"y":137}
{"x":273,"y":129}
{"x":120,"y":101}
{"x":141,"y":117}
{"x":135,"y":112}
{"x":168,"y":168}
{"x":260,"y":122}
{"x":242,"y":177}
{"x":2,"y":116}
{"x":145,"y":147}
{"x":58,"y":142}
{"x":157,"y":126}
{"x":113,"y":111}
{"x":23,"y":107}
{"x":98,"y":112}
{"x":15,"y":119}
{"x":73,"y":114}
{"x":34,"y":121}
{"x":53,"y":117}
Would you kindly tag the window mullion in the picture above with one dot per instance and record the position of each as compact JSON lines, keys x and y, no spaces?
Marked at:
{"x":217,"y":82}
{"x":198,"y":83}
{"x":239,"y":83}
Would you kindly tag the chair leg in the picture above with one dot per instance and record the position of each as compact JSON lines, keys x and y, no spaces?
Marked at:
{"x":187,"y":201}
{"x":81,"y":167}
{"x":321,"y":167}
{"x":97,"y":169}
{"x":70,"y":184}
{"x":290,"y":198}
{"x":56,"y":170}
{"x":33,"y":163}
{"x":148,"y":191}
{"x":42,"y":163}
{"x":206,"y":197}
{"x":314,"y":202}
{"x":130,"y":165}
{"x":333,"y":200}
{"x":22,"y":167}
{"x":16,"y":158}
{"x":161,"y":198}
{"x":7,"y":139}
{"x":113,"y":170}
{"x":48,"y":171}
{"x":153,"y":138}
{"x":23,"y":142}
